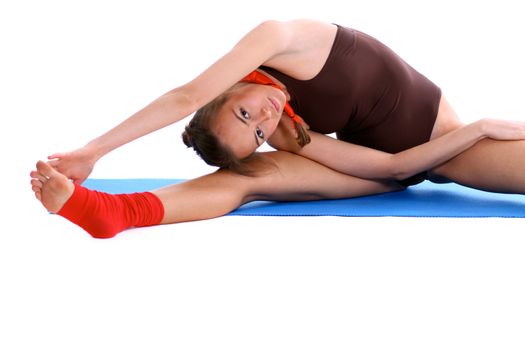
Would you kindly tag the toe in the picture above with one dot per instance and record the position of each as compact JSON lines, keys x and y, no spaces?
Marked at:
{"x":36,"y":183}
{"x":45,"y":169}
{"x":37,"y":176}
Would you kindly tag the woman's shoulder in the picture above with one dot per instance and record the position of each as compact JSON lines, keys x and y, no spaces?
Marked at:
{"x":306,"y":44}
{"x":302,"y":26}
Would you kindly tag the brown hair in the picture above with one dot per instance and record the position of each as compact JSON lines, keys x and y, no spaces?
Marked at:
{"x":302,"y":135}
{"x":198,"y":135}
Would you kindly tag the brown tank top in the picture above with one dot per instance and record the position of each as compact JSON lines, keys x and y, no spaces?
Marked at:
{"x":366,"y":94}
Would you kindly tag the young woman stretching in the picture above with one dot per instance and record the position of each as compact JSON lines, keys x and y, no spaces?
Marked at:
{"x":393,"y":125}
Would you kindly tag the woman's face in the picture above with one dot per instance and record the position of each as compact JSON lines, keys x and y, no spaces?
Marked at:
{"x":249,"y":117}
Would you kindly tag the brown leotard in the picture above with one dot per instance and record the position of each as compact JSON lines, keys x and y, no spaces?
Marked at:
{"x":367,"y":95}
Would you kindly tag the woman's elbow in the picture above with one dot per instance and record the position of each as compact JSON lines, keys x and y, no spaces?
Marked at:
{"x":395,"y":169}
{"x":397,"y":173}
{"x":182,"y":99}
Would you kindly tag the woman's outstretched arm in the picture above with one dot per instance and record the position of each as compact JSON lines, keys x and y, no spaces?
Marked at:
{"x":262,"y":44}
{"x":373,"y":164}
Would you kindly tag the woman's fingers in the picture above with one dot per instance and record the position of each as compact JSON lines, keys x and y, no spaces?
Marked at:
{"x":55,"y":156}
{"x":53,"y":163}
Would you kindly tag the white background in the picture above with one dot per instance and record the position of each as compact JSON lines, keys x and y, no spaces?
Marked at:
{"x":69,"y":70}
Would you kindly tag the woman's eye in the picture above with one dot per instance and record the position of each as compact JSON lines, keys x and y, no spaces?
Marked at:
{"x":260,"y":133}
{"x":245,"y":114}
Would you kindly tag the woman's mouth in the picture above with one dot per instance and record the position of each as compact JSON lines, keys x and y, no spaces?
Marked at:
{"x":275,"y":104}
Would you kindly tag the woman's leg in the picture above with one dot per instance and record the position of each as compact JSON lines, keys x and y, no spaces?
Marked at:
{"x":497,"y":166}
{"x":282,"y":176}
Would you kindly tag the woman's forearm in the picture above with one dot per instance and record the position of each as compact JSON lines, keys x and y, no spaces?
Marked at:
{"x":166,"y":110}
{"x":373,"y":164}
{"x":435,"y":152}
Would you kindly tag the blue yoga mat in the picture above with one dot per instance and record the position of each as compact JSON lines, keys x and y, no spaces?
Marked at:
{"x":424,"y":200}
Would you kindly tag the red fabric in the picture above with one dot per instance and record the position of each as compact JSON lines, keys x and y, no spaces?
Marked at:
{"x":103,"y":215}
{"x":260,"y":78}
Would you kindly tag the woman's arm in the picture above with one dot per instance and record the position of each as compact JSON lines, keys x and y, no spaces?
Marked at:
{"x":258,"y":46}
{"x":372,"y":164}
{"x":265,"y":42}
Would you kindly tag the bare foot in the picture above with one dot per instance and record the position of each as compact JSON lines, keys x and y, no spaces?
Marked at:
{"x":51,"y":188}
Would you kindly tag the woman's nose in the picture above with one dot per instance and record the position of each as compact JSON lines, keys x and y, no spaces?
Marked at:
{"x":266,"y":114}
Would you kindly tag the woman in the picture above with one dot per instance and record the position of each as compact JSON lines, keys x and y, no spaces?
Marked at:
{"x":394,"y":125}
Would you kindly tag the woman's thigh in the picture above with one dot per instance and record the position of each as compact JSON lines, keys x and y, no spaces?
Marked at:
{"x":488,"y":165}
{"x":281,"y":176}
{"x":293,"y":177}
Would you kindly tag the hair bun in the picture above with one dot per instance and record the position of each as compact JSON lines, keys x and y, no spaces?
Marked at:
{"x":186,"y":137}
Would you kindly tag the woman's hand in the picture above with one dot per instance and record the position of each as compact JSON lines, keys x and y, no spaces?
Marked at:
{"x":502,"y":130}
{"x":76,"y":165}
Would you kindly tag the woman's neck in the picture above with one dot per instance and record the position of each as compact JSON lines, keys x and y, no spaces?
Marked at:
{"x":277,"y":82}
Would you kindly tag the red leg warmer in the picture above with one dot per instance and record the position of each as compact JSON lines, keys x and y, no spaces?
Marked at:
{"x":103,"y":215}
